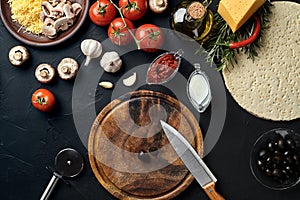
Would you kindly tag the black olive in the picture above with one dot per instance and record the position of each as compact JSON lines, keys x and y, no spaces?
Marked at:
{"x":260,"y":164}
{"x":285,"y":174}
{"x":276,"y":173}
{"x":277,"y":153}
{"x":291,"y":143}
{"x":281,"y":143}
{"x":262,"y":153}
{"x":287,"y":153}
{"x":289,"y":160}
{"x":268,"y":172}
{"x":289,"y":170}
{"x":274,"y":166}
{"x":275,"y":145}
{"x":276,"y":159}
{"x":270,"y":146}
{"x":296,"y":159}
{"x":297,"y":172}
{"x":268,"y":160}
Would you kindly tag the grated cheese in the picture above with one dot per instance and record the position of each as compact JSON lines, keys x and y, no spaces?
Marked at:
{"x":27,"y":14}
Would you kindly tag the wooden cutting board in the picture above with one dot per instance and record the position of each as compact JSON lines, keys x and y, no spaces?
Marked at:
{"x":129,"y":153}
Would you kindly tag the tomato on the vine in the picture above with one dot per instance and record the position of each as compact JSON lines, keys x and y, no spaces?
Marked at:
{"x":102,"y":12}
{"x":150,"y":36}
{"x":133,"y":9}
{"x":118,"y":32}
{"x":43,"y":100}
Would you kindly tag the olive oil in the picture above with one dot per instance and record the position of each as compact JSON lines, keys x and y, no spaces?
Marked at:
{"x":191,"y":20}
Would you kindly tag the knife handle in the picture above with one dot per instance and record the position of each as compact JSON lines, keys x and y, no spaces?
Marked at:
{"x":211,"y":192}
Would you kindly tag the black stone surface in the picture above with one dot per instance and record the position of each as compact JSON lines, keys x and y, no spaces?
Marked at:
{"x":30,"y":140}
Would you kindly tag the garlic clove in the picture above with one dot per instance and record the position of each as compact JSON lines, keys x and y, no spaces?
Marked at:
{"x":130,"y":80}
{"x":106,"y":84}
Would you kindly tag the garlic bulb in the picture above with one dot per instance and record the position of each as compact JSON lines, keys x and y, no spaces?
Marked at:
{"x":111,"y":62}
{"x":91,"y":49}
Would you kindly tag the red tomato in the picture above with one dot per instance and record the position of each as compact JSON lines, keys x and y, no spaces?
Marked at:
{"x":133,"y":9}
{"x":118,"y":33}
{"x":150,"y":36}
{"x":102,"y":12}
{"x":43,"y":100}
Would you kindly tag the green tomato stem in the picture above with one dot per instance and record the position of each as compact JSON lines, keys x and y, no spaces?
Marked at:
{"x":41,"y":100}
{"x":138,"y":43}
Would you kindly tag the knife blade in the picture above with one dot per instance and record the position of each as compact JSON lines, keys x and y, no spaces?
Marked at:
{"x":192,"y":161}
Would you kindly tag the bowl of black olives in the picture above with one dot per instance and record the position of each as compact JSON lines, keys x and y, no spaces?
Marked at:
{"x":275,"y":159}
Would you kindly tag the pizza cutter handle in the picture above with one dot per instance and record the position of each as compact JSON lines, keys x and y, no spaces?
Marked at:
{"x":51,"y":185}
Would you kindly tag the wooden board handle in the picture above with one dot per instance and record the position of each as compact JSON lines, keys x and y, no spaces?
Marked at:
{"x":211,"y":192}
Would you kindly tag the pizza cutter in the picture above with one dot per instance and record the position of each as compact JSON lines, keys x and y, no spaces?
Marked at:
{"x":68,"y":163}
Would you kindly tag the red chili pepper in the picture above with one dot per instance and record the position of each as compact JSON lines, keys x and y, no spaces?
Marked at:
{"x":252,"y":38}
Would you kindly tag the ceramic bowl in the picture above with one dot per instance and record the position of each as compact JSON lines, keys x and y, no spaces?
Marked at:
{"x":40,"y":40}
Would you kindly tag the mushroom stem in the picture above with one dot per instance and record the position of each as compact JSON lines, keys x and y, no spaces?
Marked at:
{"x":160,"y":2}
{"x":66,"y":69}
{"x":44,"y":73}
{"x":18,"y":55}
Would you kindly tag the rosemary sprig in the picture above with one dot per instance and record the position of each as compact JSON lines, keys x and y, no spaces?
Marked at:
{"x":221,"y":34}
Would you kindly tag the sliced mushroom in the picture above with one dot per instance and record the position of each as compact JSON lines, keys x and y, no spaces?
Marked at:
{"x":63,"y":24}
{"x":67,"y":68}
{"x":42,"y":16}
{"x":63,"y":12}
{"x":49,"y":31}
{"x":62,"y":2}
{"x":18,"y":55}
{"x":58,"y":11}
{"x":49,"y":22}
{"x":69,"y":2}
{"x":44,"y":73}
{"x":68,"y":10}
{"x":54,"y":2}
{"x":47,"y":8}
{"x":76,"y":8}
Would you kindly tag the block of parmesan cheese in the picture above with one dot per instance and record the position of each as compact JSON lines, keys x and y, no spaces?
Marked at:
{"x":237,"y":12}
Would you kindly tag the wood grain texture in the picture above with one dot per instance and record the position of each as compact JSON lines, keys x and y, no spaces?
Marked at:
{"x":211,"y":192}
{"x":130,"y":125}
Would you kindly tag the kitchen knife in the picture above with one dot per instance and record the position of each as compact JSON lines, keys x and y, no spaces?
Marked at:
{"x":192,"y":161}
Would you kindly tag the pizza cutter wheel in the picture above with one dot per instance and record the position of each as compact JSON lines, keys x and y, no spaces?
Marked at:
{"x":68,"y":163}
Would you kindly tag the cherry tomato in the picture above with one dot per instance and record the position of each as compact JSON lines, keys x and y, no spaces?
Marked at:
{"x":133,"y":9}
{"x":102,"y":12}
{"x":43,"y":100}
{"x":118,"y":33}
{"x":150,"y":36}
